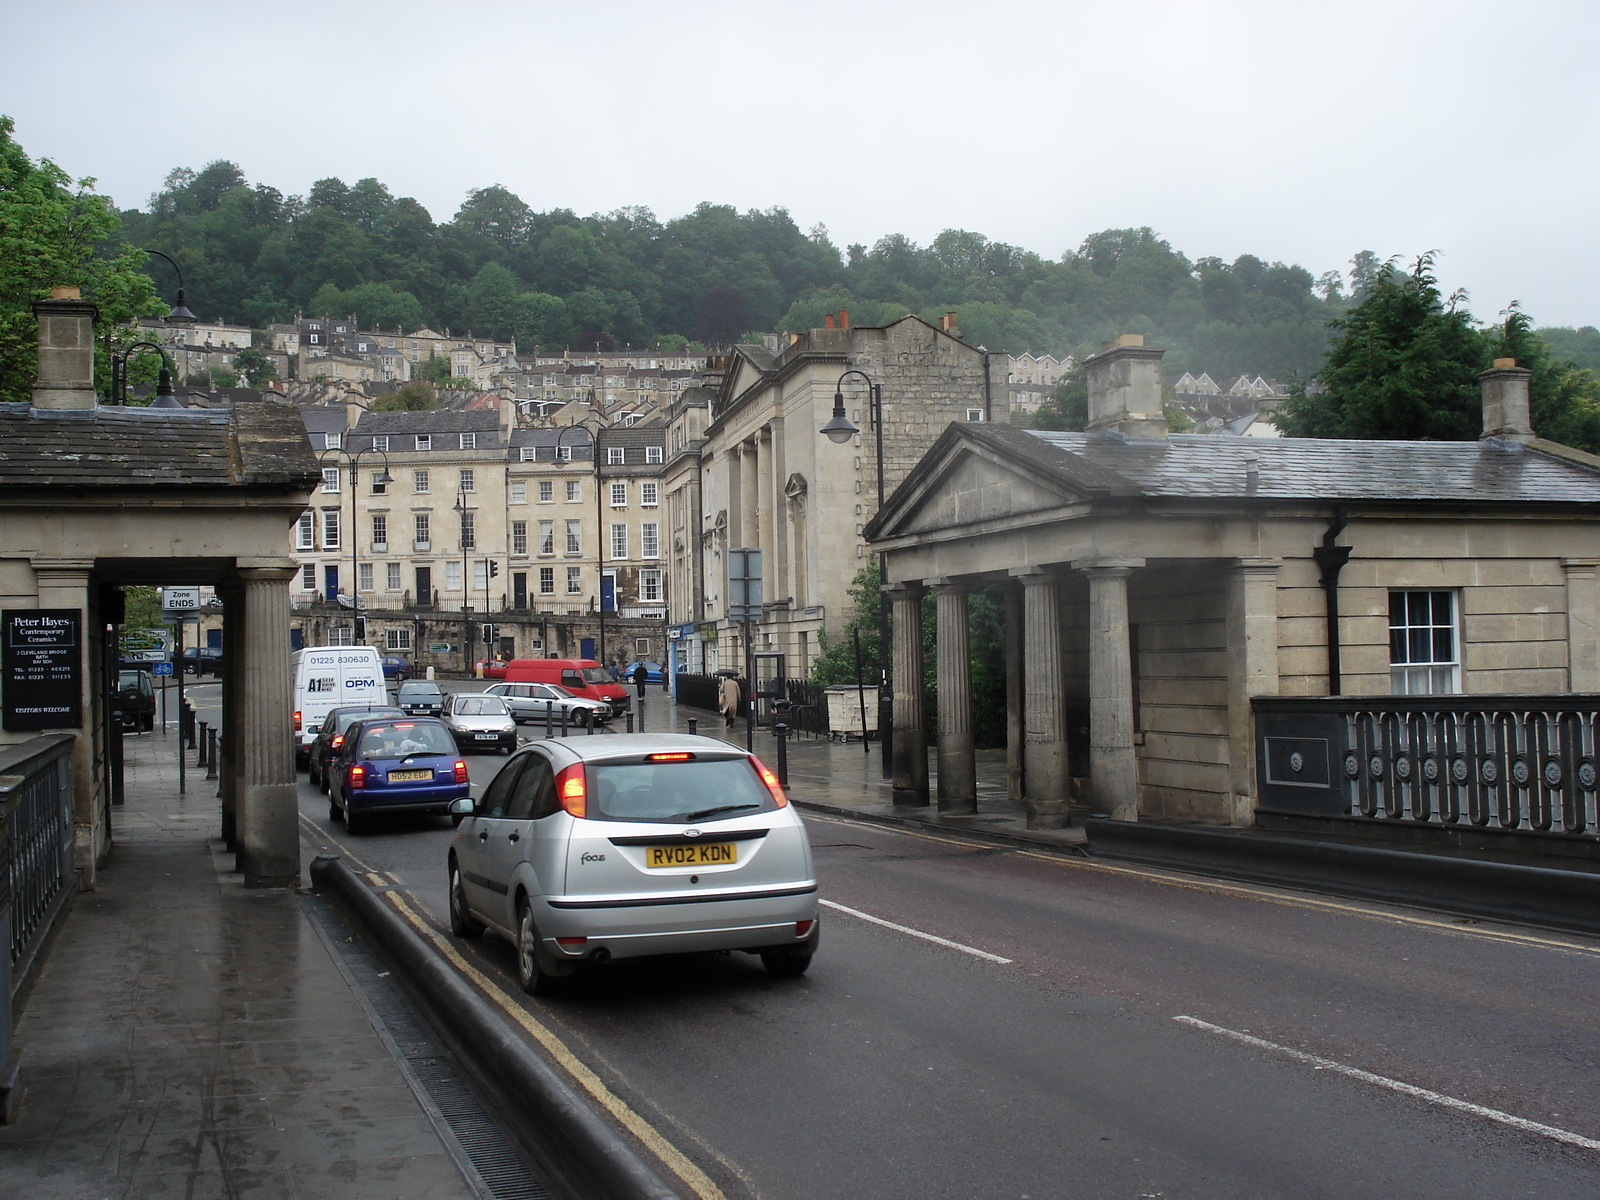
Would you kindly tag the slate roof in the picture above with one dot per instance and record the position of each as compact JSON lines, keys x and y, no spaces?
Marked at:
{"x":544,"y":443}
{"x":443,"y":420}
{"x":255,"y":443}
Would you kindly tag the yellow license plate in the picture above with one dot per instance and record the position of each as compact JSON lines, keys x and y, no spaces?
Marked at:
{"x":712,"y":854}
{"x":408,"y":776}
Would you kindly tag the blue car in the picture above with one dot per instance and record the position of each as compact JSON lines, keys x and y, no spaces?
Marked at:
{"x":652,"y":672}
{"x":394,"y":765}
{"x":396,"y":666}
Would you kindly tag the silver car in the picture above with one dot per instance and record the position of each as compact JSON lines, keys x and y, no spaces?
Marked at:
{"x":480,"y":722}
{"x":530,"y":701}
{"x":587,"y":849}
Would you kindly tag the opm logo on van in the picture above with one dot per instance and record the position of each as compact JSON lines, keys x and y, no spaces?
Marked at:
{"x":368,"y":681}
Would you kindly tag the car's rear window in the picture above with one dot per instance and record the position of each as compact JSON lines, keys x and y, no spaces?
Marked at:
{"x":480,"y":706}
{"x":405,"y":738}
{"x":409,"y":690}
{"x":677,"y":792}
{"x":347,"y":719}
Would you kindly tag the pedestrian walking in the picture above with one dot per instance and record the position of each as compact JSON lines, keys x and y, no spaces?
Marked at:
{"x":728,"y":698}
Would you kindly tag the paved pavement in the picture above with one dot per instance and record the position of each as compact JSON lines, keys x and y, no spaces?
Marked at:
{"x":190,"y":1038}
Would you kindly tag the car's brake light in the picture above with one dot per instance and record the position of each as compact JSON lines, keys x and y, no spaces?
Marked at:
{"x":358,"y":776}
{"x":801,"y":928}
{"x":297,"y":720}
{"x":771,"y":780}
{"x":572,"y":789}
{"x":338,"y":740}
{"x":680,"y":756}
{"x":461,"y":770}
{"x":571,"y":941}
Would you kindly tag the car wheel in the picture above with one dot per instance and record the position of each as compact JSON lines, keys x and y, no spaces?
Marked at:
{"x":353,"y":823}
{"x":334,"y":812}
{"x":462,"y":922}
{"x":532,"y":976}
{"x":150,"y":723}
{"x":785,"y":963}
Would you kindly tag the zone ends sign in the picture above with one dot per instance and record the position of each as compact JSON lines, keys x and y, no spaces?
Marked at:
{"x":180,"y":599}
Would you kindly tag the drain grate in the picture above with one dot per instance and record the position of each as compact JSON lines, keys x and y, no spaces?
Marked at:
{"x":483,"y":1149}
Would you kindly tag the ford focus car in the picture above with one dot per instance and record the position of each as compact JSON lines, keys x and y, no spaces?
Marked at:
{"x":587,"y":849}
{"x":387,"y":765}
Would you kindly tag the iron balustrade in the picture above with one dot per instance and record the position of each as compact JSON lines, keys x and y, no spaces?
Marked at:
{"x":36,"y":838}
{"x":1493,"y":763}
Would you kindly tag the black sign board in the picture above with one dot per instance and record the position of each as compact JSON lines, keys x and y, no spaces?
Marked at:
{"x":43,"y":668}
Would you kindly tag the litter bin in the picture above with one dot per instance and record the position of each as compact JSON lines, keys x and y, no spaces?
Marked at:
{"x":844,"y":711}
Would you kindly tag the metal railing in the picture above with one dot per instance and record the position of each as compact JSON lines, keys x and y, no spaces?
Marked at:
{"x":1504,"y":762}
{"x":37,"y":832}
{"x":809,"y":715}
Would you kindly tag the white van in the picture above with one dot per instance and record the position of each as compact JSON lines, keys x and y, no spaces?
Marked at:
{"x":327,"y":677}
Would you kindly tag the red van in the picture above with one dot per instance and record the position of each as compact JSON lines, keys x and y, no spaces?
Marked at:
{"x":580,"y":676}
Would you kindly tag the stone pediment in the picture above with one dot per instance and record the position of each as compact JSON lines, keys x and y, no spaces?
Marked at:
{"x":974,"y":488}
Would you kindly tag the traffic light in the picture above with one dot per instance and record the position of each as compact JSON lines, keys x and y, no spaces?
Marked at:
{"x":361,"y":629}
{"x":488,"y":635}
{"x":494,"y":568}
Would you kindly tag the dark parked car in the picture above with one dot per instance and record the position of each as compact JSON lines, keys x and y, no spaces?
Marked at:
{"x":421,"y":698}
{"x":396,"y":666}
{"x":386,"y":765}
{"x":331,"y":736}
{"x":136,"y":696}
{"x":209,"y":659}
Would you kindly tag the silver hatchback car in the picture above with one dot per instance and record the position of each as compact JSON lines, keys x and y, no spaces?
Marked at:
{"x":587,"y":849}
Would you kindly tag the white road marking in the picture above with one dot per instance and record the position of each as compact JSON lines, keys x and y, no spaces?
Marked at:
{"x":1394,"y":1085}
{"x":916,"y":933}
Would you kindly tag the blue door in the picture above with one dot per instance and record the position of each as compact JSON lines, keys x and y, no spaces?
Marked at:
{"x":214,"y":638}
{"x":586,"y":648}
{"x":330,"y":583}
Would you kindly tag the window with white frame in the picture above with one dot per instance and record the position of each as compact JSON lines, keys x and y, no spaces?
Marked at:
{"x":380,"y":530}
{"x":1424,"y":644}
{"x":619,"y":540}
{"x":469,"y":441}
{"x":380,"y":441}
{"x":529,"y":454}
{"x":574,"y":580}
{"x":364,"y":577}
{"x":563,"y":453}
{"x":650,"y":586}
{"x":574,"y":490}
{"x":974,"y":414}
{"x":547,"y":537}
{"x":469,"y":479}
{"x":619,"y":495}
{"x":650,"y":540}
{"x":574,"y":537}
{"x":480,"y":575}
{"x":519,"y":492}
{"x":379,"y":486}
{"x":341,"y":635}
{"x":397,"y":639}
{"x":616,"y":456}
{"x":332,"y":441}
{"x":547,"y":491}
{"x":330,"y":529}
{"x":424,"y":442}
{"x":649,"y":491}
{"x":519,"y":537}
{"x":330,"y":479}
{"x":421,"y":525}
{"x":305,"y":531}
{"x":419,"y":481}
{"x":547,"y":581}
{"x":392,"y":577}
{"x":308,"y":577}
{"x":653,"y":454}
{"x":452,"y":575}
{"x":469,"y":530}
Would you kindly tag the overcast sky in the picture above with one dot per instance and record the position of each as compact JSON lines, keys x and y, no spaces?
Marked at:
{"x":1300,"y":132}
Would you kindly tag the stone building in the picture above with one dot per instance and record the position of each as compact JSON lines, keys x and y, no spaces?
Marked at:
{"x":1157,"y":585}
{"x":764,"y":477}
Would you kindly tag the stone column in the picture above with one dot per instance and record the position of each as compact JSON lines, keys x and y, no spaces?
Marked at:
{"x":909,"y":769}
{"x":1015,"y":730}
{"x":267,"y":808}
{"x":64,"y":583}
{"x":1044,"y":704}
{"x":1252,"y":634}
{"x":1113,"y":768}
{"x":958,"y":772}
{"x":231,"y":768}
{"x":1583,"y":625}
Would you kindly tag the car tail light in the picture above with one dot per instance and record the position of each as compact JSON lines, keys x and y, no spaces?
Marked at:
{"x":358,"y":776}
{"x":338,"y":740}
{"x":771,"y":780}
{"x":573,"y":942}
{"x":461,"y":770}
{"x":801,"y":928}
{"x":297,"y":720}
{"x":572,"y":789}
{"x":676,"y":756}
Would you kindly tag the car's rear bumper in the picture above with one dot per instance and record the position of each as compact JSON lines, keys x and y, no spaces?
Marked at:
{"x":363,"y":801}
{"x":630,"y":927}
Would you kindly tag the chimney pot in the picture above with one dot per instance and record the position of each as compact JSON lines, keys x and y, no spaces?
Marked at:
{"x":844,"y":318}
{"x":66,"y":351}
{"x":1125,"y":389}
{"x":64,"y":293}
{"x":1505,"y":362}
{"x":827,"y":321}
{"x":1505,"y":401}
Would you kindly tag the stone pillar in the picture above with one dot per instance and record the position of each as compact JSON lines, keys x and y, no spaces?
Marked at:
{"x":1252,"y":671}
{"x":909,"y":771}
{"x":66,"y":351}
{"x":231,"y":768}
{"x":1583,"y":625}
{"x":1015,"y":729}
{"x":64,"y":583}
{"x":1113,"y":769}
{"x":958,"y":772}
{"x":267,"y":808}
{"x":1044,"y":704}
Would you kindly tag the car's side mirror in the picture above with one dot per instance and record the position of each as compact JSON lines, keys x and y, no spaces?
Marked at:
{"x":463,"y":807}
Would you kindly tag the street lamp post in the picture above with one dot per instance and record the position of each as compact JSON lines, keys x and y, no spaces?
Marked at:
{"x":165,"y":397}
{"x":353,"y":459}
{"x":839,"y":430}
{"x":462,"y":507}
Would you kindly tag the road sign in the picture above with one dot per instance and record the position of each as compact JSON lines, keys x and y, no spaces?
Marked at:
{"x":744,"y":585}
{"x":439,"y":647}
{"x":180,"y":599}
{"x":161,"y":668}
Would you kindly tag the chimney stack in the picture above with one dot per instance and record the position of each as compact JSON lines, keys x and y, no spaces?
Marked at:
{"x":1505,"y":401}
{"x":844,"y":318}
{"x":827,"y":321}
{"x":1125,"y":389}
{"x":66,"y":352}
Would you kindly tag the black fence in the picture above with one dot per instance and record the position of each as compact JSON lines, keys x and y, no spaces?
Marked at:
{"x":1493,"y":763}
{"x":809,"y":716}
{"x":701,"y":691}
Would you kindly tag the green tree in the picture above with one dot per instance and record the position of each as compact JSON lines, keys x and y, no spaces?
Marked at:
{"x":254,"y":366}
{"x":1067,"y":408}
{"x":56,"y":233}
{"x":434,"y":369}
{"x":1563,"y":398}
{"x":415,"y":396}
{"x":836,"y":662}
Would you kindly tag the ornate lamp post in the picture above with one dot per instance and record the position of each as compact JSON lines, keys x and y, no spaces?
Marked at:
{"x":382,"y":478}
